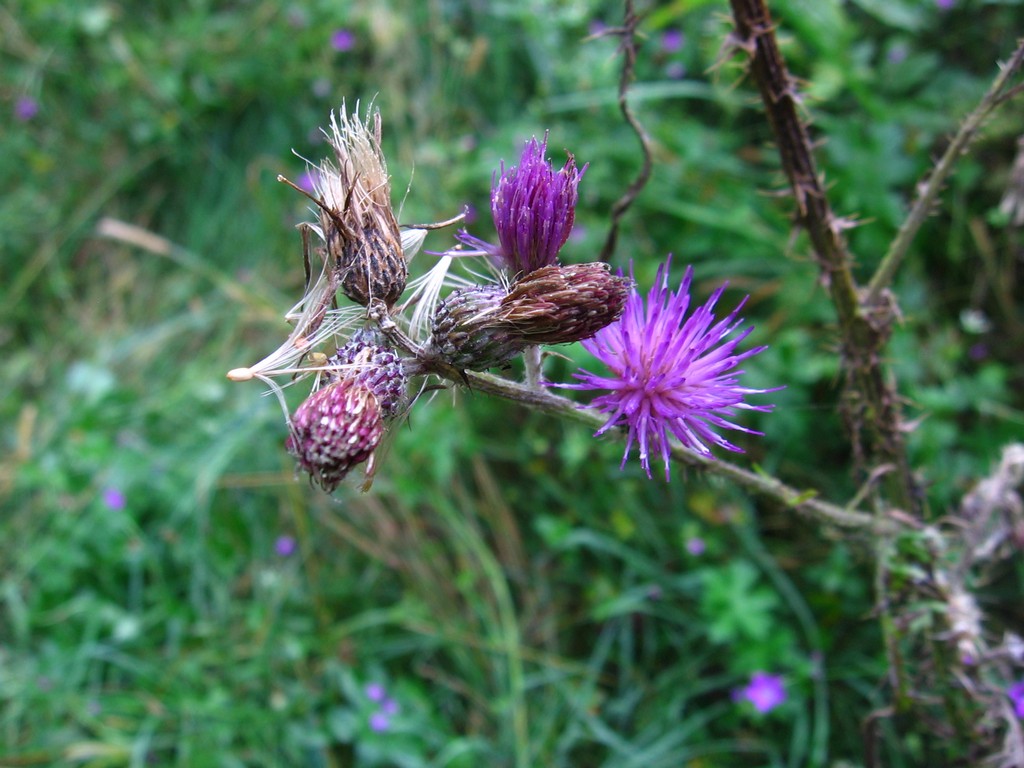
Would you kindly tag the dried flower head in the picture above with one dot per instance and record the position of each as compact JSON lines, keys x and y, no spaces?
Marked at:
{"x":534,"y":207}
{"x":670,"y":373}
{"x":357,"y":222}
{"x":335,"y":429}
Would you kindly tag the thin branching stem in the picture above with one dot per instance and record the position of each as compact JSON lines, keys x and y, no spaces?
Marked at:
{"x":929,"y":189}
{"x":628,"y":47}
{"x":804,"y":502}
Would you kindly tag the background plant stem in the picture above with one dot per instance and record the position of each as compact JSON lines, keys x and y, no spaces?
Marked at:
{"x":872,"y":413}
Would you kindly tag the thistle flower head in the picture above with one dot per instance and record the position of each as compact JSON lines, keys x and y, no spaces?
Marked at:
{"x":670,"y":372}
{"x":562,"y":304}
{"x":356,"y":219}
{"x":366,"y":359}
{"x":534,"y":207}
{"x":468,"y":332}
{"x":483,"y":326}
{"x":335,"y":429}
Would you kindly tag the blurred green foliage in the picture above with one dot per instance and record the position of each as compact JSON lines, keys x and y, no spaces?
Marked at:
{"x":523,"y":600}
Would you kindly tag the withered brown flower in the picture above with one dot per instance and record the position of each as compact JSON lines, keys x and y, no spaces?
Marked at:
{"x":358,"y":226}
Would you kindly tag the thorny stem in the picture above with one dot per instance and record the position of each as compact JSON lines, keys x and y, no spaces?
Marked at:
{"x":887,"y":623}
{"x":628,"y":47}
{"x":871,"y":401}
{"x":929,"y":189}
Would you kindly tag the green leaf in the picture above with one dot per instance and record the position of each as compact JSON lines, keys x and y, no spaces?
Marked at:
{"x":733,"y":604}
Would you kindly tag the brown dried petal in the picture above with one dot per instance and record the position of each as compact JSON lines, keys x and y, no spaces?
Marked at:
{"x":358,"y":223}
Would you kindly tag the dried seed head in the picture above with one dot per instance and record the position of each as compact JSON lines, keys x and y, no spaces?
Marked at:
{"x":335,"y":429}
{"x":561,"y":304}
{"x":365,"y":359}
{"x":356,"y":218}
{"x":468,"y":332}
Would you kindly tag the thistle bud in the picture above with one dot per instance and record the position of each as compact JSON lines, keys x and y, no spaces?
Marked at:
{"x":365,"y":359}
{"x":534,"y":207}
{"x":335,"y":429}
{"x":356,"y":219}
{"x":561,"y":304}
{"x":468,"y":332}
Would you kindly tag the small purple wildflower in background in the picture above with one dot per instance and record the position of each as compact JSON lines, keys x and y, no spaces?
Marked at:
{"x":945,"y":5}
{"x":898,"y":53}
{"x":672,"y":40}
{"x":534,"y":208}
{"x":389,"y":707}
{"x":374,"y":691}
{"x":671,"y":374}
{"x":25,"y":108}
{"x":343,"y":39}
{"x":114,"y":498}
{"x":695,"y":546}
{"x":307,"y":180}
{"x":675,"y":70}
{"x":285,"y":546}
{"x":764,"y":691}
{"x":379,"y":722}
{"x":1016,"y":694}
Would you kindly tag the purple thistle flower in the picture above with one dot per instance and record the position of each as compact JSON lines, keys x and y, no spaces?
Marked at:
{"x":343,"y":39}
{"x":534,"y":207}
{"x":670,"y":373}
{"x":764,"y":691}
{"x":25,"y":108}
{"x":1016,"y":694}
